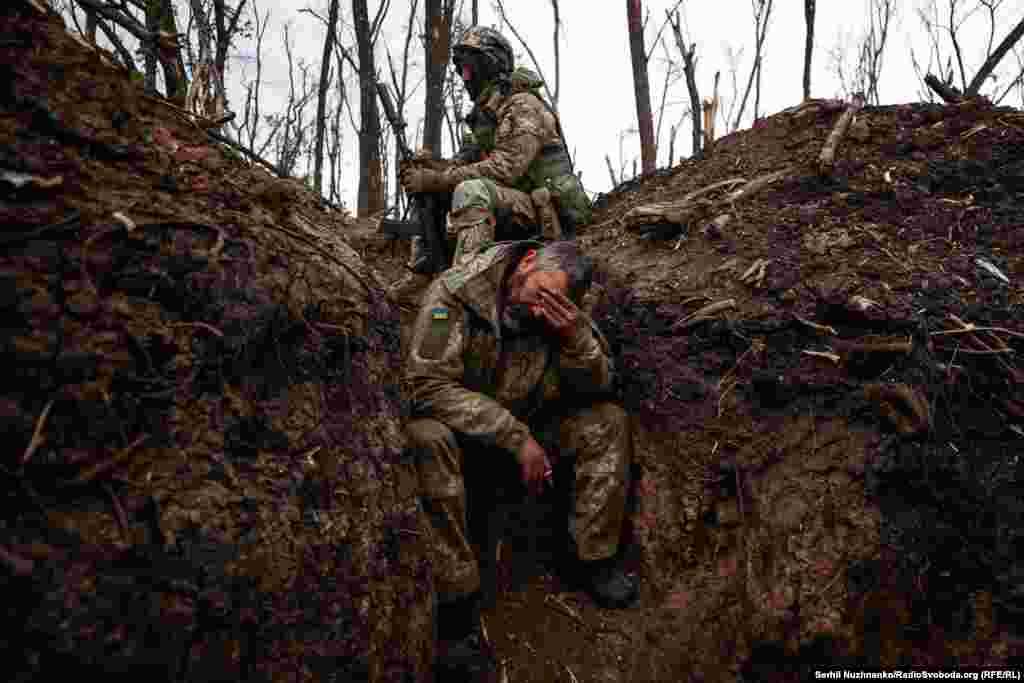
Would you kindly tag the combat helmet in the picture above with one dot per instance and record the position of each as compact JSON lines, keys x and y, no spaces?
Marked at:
{"x":490,"y":43}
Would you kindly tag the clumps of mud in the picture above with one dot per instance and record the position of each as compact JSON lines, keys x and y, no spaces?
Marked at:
{"x":829,"y":467}
{"x":203,"y":478}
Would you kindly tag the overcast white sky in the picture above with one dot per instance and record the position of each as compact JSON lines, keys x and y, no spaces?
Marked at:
{"x":597,"y":104}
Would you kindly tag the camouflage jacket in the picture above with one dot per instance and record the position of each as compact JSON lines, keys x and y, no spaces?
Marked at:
{"x":517,"y":142}
{"x":463,"y":372}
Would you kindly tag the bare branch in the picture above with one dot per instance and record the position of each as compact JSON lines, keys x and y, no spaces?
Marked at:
{"x":558,"y":74}
{"x":122,"y":19}
{"x":533,"y":58}
{"x":690,"y":69}
{"x":948,"y":93}
{"x":122,"y":51}
{"x":378,"y":20}
{"x":661,"y":29}
{"x":809,"y":8}
{"x":611,"y":170}
{"x":762,"y":14}
{"x":994,"y":59}
{"x":1017,"y":82}
{"x":953,"y":28}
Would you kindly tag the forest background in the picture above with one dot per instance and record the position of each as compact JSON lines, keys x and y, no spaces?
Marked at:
{"x":291,"y":83}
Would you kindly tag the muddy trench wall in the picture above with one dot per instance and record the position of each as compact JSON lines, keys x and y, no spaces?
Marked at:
{"x":202,"y":477}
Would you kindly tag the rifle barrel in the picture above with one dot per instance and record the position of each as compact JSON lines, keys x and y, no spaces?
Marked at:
{"x":397,"y":124}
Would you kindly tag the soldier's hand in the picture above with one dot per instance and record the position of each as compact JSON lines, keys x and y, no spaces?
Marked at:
{"x":417,"y":179}
{"x":560,"y":313}
{"x":534,"y":466}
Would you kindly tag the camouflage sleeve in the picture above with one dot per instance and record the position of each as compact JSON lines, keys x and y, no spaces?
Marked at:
{"x":585,"y":364}
{"x":434,"y":372}
{"x":518,"y":141}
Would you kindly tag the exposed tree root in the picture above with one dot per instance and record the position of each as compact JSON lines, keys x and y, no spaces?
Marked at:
{"x":827,"y":159}
{"x":708,"y":312}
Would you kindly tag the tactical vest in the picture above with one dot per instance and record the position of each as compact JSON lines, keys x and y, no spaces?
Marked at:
{"x":552,"y":168}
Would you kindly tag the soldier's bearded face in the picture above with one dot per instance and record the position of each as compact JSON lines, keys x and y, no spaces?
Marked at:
{"x":522,"y":310}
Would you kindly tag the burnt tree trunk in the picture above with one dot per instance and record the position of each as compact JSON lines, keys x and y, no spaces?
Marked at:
{"x":371,"y":186}
{"x":690,"y":68}
{"x":321,"y":105}
{"x":91,"y":23}
{"x":227,"y":27}
{"x":809,"y":7}
{"x":641,"y":85}
{"x":436,"y":43}
{"x":993,"y":59}
{"x":152,"y":46}
{"x":175,"y":81}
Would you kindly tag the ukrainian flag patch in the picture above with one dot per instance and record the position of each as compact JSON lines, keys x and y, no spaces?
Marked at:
{"x":435,"y":337}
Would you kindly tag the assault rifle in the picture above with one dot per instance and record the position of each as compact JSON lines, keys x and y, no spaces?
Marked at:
{"x":428,"y":215}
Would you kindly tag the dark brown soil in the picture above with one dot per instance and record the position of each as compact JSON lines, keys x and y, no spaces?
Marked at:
{"x":795,"y":511}
{"x":215,"y":492}
{"x":858,"y":507}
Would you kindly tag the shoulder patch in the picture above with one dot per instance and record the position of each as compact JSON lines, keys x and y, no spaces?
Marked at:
{"x":439,"y":330}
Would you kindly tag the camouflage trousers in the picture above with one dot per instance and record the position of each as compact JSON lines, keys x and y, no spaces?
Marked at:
{"x":597,"y":440}
{"x":472,"y":219}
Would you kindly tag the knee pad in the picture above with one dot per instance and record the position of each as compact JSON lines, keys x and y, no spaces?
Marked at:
{"x":476,"y":193}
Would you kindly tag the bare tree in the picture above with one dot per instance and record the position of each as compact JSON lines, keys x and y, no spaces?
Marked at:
{"x":371,"y":182}
{"x":863,"y":76}
{"x":947,"y":24}
{"x":732,"y":56}
{"x":216,"y":35}
{"x":400,"y":82}
{"x":762,"y":10}
{"x":552,"y":95}
{"x":672,"y":76}
{"x":690,"y":69}
{"x":247,"y":128}
{"x":809,"y":8}
{"x":641,"y":85}
{"x":928,"y":16}
{"x":994,"y":58}
{"x":321,"y":105}
{"x":1016,"y":83}
{"x":881,"y":14}
{"x":437,"y":46}
{"x":157,"y":34}
{"x":558,"y":65}
{"x":291,"y":138}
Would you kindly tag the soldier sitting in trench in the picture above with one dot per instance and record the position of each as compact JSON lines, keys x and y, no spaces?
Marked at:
{"x":513,"y":171}
{"x":504,"y":368}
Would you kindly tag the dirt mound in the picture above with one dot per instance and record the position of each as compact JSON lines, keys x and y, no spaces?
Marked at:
{"x":830,"y":453}
{"x":824,"y":374}
{"x":203,"y":479}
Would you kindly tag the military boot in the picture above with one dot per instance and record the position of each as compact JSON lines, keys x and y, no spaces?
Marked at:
{"x":607,"y":584}
{"x":462,"y":656}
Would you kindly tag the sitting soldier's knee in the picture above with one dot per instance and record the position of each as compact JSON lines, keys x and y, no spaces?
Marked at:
{"x":437,"y":458}
{"x":476,"y":193}
{"x":428,"y":434}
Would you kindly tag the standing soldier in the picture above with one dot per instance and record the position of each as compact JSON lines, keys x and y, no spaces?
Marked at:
{"x":504,"y":368}
{"x":513,"y":172}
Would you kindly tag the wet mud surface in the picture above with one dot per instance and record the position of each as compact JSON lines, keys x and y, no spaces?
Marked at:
{"x":827,"y":470}
{"x":827,"y":464}
{"x":202,"y":478}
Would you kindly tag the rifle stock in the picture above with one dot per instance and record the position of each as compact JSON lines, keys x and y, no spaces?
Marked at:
{"x":426,"y":223}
